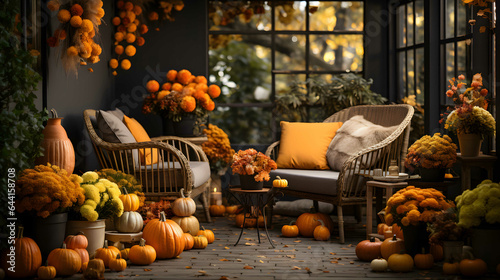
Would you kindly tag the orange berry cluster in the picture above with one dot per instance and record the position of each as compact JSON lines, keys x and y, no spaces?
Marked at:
{"x":182,"y":93}
{"x":129,"y":31}
{"x":79,"y":21}
{"x":165,"y":8}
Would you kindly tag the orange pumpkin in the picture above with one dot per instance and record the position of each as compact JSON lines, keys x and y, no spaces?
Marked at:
{"x":250,"y":222}
{"x":84,"y":255}
{"x":232,"y":209}
{"x":382,"y":228}
{"x":130,"y":201}
{"x":184,"y":206}
{"x":187,"y":224}
{"x":217,"y":210}
{"x":400,"y":262}
{"x":142,"y":254}
{"x":125,"y":253}
{"x":46,"y":272}
{"x":208,"y":234}
{"x":117,"y":264}
{"x":66,"y":261}
{"x":200,"y":242}
{"x":78,"y":241}
{"x":452,"y":268}
{"x":423,"y":260}
{"x":106,"y":253}
{"x":28,"y":257}
{"x":321,"y":232}
{"x":472,"y":267}
{"x":290,"y":230}
{"x":368,"y":250}
{"x":189,"y":241}
{"x":437,"y":252}
{"x":391,"y":246}
{"x":165,"y":236}
{"x":307,"y":222}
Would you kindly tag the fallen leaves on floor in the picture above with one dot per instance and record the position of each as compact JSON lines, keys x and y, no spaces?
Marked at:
{"x":147,"y":269}
{"x":202,"y":272}
{"x":224,"y":278}
{"x":296,"y":268}
{"x":224,"y":260}
{"x":188,"y":267}
{"x":248,"y":267}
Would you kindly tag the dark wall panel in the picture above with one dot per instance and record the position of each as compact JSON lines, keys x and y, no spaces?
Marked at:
{"x":71,"y":95}
{"x":176,"y":45}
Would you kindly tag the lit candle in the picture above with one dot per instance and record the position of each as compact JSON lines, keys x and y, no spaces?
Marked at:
{"x":215,"y":197}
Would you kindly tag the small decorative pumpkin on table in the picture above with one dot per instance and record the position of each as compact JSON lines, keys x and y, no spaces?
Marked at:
{"x":280,"y":183}
{"x":290,"y":230}
{"x":130,"y":201}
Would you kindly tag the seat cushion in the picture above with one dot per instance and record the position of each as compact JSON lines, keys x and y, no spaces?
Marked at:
{"x":200,"y":169}
{"x":312,"y":181}
{"x":304,"y":145}
{"x":355,"y":135}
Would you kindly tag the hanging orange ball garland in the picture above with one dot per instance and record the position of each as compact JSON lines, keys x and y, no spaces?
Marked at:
{"x":77,"y":32}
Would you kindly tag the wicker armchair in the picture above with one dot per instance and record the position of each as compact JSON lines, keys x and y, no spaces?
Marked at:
{"x":176,"y":168}
{"x":350,"y":185}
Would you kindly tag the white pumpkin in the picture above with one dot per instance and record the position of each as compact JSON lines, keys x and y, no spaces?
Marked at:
{"x":129,"y":222}
{"x":184,"y":206}
{"x":188,"y":224}
{"x":378,"y":265}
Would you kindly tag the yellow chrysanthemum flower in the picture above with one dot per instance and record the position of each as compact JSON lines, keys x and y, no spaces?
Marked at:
{"x":89,"y":177}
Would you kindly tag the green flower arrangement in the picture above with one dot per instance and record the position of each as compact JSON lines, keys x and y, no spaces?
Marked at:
{"x":479,"y":206}
{"x":475,"y":121}
{"x":431,"y":152}
{"x":102,"y":198}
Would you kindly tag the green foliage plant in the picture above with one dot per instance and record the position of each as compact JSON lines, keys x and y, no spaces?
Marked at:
{"x":21,"y":123}
{"x":342,"y":91}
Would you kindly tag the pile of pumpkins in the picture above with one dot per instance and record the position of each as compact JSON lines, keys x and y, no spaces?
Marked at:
{"x":311,"y":224}
{"x":390,"y":254}
{"x":130,"y":221}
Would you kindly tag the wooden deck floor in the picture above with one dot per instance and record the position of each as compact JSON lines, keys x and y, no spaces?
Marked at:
{"x":292,"y":258}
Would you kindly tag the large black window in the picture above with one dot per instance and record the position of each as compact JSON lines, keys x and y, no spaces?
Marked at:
{"x":257,"y":48}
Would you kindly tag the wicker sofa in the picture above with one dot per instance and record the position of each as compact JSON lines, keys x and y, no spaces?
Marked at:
{"x":347,"y":186}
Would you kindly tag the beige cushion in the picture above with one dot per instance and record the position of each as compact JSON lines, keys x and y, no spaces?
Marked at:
{"x":355,"y":135}
{"x":200,"y":169}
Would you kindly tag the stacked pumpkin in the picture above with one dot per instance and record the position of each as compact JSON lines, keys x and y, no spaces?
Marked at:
{"x":130,"y":221}
{"x":311,"y":224}
{"x":184,"y":208}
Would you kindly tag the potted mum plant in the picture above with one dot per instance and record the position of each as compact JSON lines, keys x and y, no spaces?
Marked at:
{"x":412,"y":208}
{"x":183,"y":102}
{"x":431,"y":156}
{"x":253,"y":168}
{"x":469,"y":120}
{"x":102,"y":201}
{"x":47,"y":192}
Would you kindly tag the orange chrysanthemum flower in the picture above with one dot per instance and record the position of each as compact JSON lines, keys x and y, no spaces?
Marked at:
{"x":172,"y":75}
{"x":184,"y":77}
{"x":188,"y":104}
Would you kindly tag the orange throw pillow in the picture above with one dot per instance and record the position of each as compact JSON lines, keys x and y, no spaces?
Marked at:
{"x":141,"y":135}
{"x":304,"y":145}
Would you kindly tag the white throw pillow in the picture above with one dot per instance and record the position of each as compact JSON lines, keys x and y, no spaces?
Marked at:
{"x":355,"y":135}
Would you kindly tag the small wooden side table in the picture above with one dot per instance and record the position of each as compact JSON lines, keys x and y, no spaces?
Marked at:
{"x":130,"y":238}
{"x":389,"y":190}
{"x":482,"y":161}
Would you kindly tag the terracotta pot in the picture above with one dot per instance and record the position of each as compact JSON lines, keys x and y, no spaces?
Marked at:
{"x":58,"y":149}
{"x":470,"y":144}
